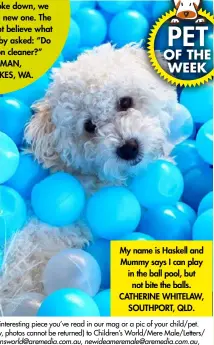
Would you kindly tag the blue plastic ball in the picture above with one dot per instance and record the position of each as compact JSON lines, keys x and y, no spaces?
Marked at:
{"x":191,"y":98}
{"x":187,"y":211}
{"x":206,"y":203}
{"x":92,"y":26}
{"x":203,"y":227}
{"x":160,"y":7}
{"x":56,"y":64}
{"x":75,"y":6}
{"x":128,"y":27}
{"x":113,"y":212}
{"x":13,"y":117}
{"x":160,"y":184}
{"x":181,"y":126}
{"x":68,"y":302}
{"x":28,"y":173}
{"x":186,"y":156}
{"x":114,"y":6}
{"x":197,"y":183}
{"x":100,"y":250}
{"x":12,"y":213}
{"x":32,"y":92}
{"x":72,"y":268}
{"x":165,"y":223}
{"x":72,"y":42}
{"x":58,"y":200}
{"x":204,"y":142}
{"x":9,"y":158}
{"x":136,"y":236}
{"x":103,"y":301}
{"x":144,"y":7}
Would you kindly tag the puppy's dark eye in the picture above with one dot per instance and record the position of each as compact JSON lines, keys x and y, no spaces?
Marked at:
{"x":125,"y":103}
{"x":89,"y":126}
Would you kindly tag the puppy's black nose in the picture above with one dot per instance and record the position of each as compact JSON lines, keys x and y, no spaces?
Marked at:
{"x":186,"y":13}
{"x":129,"y":150}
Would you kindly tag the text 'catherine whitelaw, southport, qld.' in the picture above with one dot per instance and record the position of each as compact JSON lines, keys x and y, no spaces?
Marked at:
{"x":161,"y":278}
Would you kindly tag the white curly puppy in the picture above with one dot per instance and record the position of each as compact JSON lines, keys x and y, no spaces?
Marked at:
{"x":104,"y":117}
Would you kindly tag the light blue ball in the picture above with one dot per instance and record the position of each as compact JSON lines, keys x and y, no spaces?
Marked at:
{"x":181,"y":127}
{"x":206,"y":203}
{"x":103,"y":301}
{"x":137,"y":236}
{"x":58,"y":200}
{"x":160,"y":184}
{"x":191,"y":98}
{"x":93,"y":27}
{"x":72,"y":42}
{"x":32,"y":92}
{"x":113,"y":212}
{"x":100,"y":250}
{"x":197,"y":183}
{"x":28,"y":173}
{"x":72,"y":268}
{"x":114,"y":6}
{"x":9,"y":157}
{"x":74,"y":6}
{"x":208,"y":5}
{"x":165,"y":223}
{"x":12,"y":213}
{"x":68,"y":302}
{"x":186,"y":156}
{"x":56,"y":64}
{"x":203,"y":227}
{"x":13,"y":117}
{"x":187,"y":211}
{"x":128,"y":27}
{"x":204,"y":142}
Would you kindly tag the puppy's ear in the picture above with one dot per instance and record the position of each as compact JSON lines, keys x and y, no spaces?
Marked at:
{"x":177,"y":3}
{"x":196,"y":3}
{"x":39,"y":135}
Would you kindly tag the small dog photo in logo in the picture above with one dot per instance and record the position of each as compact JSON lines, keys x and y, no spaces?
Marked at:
{"x":187,"y":10}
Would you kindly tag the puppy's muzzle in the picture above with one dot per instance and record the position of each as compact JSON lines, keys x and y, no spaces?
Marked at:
{"x":129,"y":151}
{"x":187,"y":15}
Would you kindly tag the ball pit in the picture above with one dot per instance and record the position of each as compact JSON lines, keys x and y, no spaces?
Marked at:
{"x":165,"y":202}
{"x":75,"y":269}
{"x":113,"y":212}
{"x":68,"y":302}
{"x":58,"y":199}
{"x":161,"y":183}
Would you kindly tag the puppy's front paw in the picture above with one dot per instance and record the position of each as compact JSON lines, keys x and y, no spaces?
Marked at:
{"x":175,"y":21}
{"x":200,"y":20}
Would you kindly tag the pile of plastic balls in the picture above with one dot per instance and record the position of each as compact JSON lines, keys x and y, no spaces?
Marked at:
{"x":167,"y":202}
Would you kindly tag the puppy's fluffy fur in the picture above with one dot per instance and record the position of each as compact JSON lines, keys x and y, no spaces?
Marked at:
{"x":89,"y":88}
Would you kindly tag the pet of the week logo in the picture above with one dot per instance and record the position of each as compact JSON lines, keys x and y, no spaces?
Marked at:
{"x":187,"y":10}
{"x":186,"y":36}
